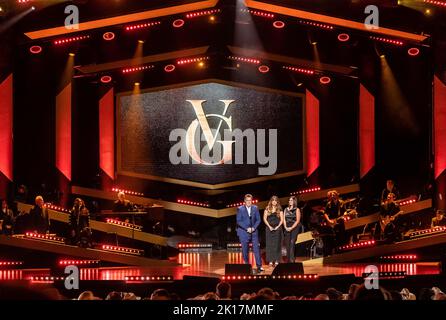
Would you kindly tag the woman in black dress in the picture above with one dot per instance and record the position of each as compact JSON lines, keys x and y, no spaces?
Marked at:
{"x":291,"y":227}
{"x":273,"y":218}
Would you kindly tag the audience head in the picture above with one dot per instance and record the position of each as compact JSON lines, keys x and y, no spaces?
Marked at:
{"x":223,"y":290}
{"x":160,"y":294}
{"x":426,"y":294}
{"x":334,"y":294}
{"x":322,"y":296}
{"x":362,"y":293}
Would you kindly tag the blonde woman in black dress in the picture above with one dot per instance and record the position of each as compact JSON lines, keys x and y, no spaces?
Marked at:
{"x":273,"y":218}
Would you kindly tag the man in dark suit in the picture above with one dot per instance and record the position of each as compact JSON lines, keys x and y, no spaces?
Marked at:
{"x":248,"y":221}
{"x":122,"y":204}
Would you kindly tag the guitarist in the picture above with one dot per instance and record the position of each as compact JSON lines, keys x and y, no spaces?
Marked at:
{"x":333,"y":213}
{"x":390,"y":210}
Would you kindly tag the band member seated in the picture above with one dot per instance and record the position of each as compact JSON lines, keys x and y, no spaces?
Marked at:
{"x":6,"y":219}
{"x":122,"y":204}
{"x":390,"y":210}
{"x":80,"y":231}
{"x":38,"y":217}
{"x":333,"y":217}
{"x":390,"y":188}
{"x":439,"y":220}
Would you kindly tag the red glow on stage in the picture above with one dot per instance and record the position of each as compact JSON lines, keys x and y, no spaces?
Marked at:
{"x":142,"y":25}
{"x":71,"y":39}
{"x":136,"y":69}
{"x":312,"y":132}
{"x":24,"y":1}
{"x":10,"y":263}
{"x":436,"y":3}
{"x":193,"y":203}
{"x":106,"y":134}
{"x":6,"y":129}
{"x":178,"y":23}
{"x":314,"y":189}
{"x":400,"y":257}
{"x":343,"y":37}
{"x":259,"y":13}
{"x":56,"y":208}
{"x":124,"y":224}
{"x":263,"y":69}
{"x":366,"y":131}
{"x":45,"y":237}
{"x":130,"y":192}
{"x":35,"y":49}
{"x":325,"y":80}
{"x":192,"y":60}
{"x":358,"y":245}
{"x":238,"y":204}
{"x":427,"y":232}
{"x":63,"y":131}
{"x":439,"y":127}
{"x":243,"y":59}
{"x":202,"y":13}
{"x":387,"y":40}
{"x":108,"y":36}
{"x":406,"y":202}
{"x":278,"y":24}
{"x":122,"y":249}
{"x":148,"y":278}
{"x":106,"y":79}
{"x":169,"y":68}
{"x":299,"y":70}
{"x":317,"y":24}
{"x":413,"y":52}
{"x":77,"y":262}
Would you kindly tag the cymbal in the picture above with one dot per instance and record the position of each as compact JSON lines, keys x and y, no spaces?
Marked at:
{"x":349,"y":200}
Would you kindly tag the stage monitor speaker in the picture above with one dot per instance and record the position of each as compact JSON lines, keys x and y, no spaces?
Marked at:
{"x":284,"y":269}
{"x":238,"y":269}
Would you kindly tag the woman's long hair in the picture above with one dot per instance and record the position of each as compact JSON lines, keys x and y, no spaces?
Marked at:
{"x":294,"y":202}
{"x":269,"y":207}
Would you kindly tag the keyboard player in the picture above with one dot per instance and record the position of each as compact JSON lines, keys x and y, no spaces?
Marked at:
{"x":122,"y":204}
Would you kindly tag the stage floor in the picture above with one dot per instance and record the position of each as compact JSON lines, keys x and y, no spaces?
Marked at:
{"x":212,"y":264}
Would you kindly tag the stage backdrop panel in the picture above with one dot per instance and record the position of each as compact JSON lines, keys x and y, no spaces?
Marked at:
{"x":147,"y":120}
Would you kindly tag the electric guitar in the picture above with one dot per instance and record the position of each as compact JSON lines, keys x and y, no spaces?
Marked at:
{"x":384,"y":222}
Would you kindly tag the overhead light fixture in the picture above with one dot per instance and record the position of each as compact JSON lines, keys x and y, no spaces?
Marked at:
{"x":35,"y":49}
{"x":263,"y":69}
{"x":278,"y":24}
{"x":178,"y":23}
{"x":413,"y":52}
{"x":325,"y":80}
{"x":106,"y":79}
{"x":343,"y":37}
{"x":108,"y":36}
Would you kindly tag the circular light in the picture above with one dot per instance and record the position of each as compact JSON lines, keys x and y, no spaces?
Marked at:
{"x":35,"y":49}
{"x":141,"y":41}
{"x":343,"y":37}
{"x":106,"y":79}
{"x":71,"y":54}
{"x":178,"y":23}
{"x":201,"y":64}
{"x":108,"y":36}
{"x":263,"y":69}
{"x":325,"y":80}
{"x":169,"y":68}
{"x":137,"y":84}
{"x":212,"y":18}
{"x":278,"y":24}
{"x":413,"y":52}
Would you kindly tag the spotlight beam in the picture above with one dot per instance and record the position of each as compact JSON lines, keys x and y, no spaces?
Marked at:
{"x":12,"y":21}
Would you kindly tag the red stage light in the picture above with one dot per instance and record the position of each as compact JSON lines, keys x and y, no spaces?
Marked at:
{"x":142,"y":25}
{"x":325,"y":80}
{"x":413,"y":52}
{"x":71,"y":39}
{"x":192,"y":60}
{"x":106,"y":79}
{"x":317,"y":24}
{"x":178,"y":23}
{"x":436,"y":3}
{"x":169,"y":68}
{"x":35,"y":49}
{"x":136,"y":69}
{"x":108,"y":36}
{"x":243,"y":59}
{"x":263,"y":69}
{"x":300,"y":70}
{"x":202,"y":13}
{"x":387,"y":40}
{"x":279,"y":24}
{"x":259,"y":13}
{"x":343,"y":37}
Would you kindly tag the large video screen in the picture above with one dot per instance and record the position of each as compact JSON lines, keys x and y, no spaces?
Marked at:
{"x":210,"y":133}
